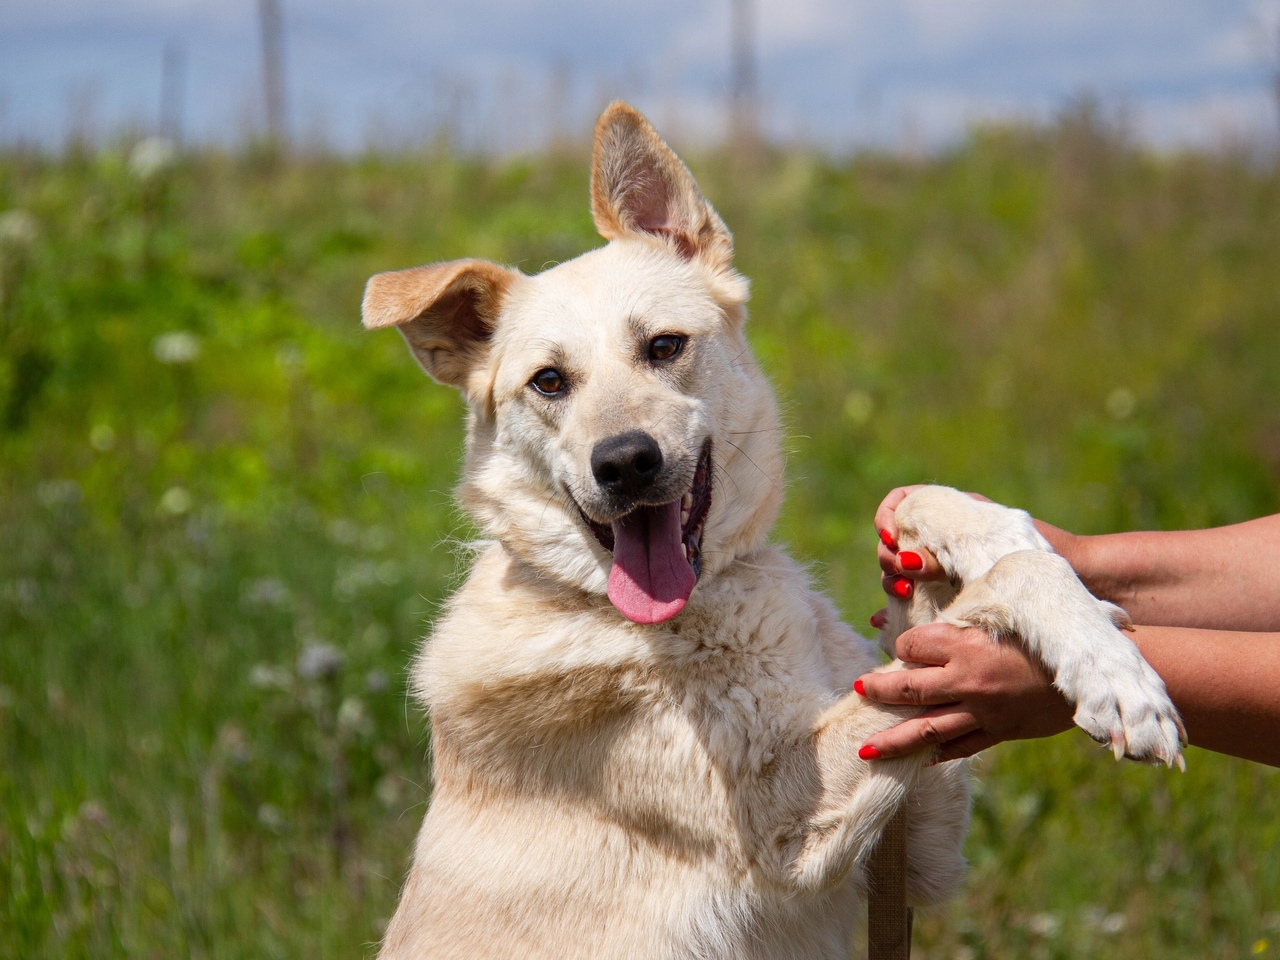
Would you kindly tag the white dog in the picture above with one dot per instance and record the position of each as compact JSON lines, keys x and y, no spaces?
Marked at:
{"x":643,"y":739}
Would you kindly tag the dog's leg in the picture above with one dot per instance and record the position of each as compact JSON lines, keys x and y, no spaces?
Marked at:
{"x":840,"y":805}
{"x":1013,"y":585}
{"x":1036,"y":598}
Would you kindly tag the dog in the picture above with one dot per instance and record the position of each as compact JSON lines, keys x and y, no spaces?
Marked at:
{"x":644,"y":743}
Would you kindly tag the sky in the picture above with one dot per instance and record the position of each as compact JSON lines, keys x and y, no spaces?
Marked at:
{"x":512,"y":75}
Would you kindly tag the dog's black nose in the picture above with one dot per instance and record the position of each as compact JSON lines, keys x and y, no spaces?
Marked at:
{"x":626,"y":464}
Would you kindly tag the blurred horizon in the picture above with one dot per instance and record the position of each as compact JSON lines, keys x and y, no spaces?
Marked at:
{"x":498,"y":77}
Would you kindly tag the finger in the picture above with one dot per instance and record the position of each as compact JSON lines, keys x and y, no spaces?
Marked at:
{"x":887,"y":557}
{"x":967,"y":745}
{"x":886,"y":529}
{"x":916,"y":563}
{"x":922,"y":687}
{"x":880,"y":617}
{"x":930,"y":729}
{"x":896,"y":586}
{"x":933,"y":643}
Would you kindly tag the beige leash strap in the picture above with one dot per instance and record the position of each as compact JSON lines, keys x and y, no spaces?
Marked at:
{"x":888,"y":917}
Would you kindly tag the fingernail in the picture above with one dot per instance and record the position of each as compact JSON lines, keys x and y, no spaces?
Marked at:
{"x":868,"y":752}
{"x":859,"y":688}
{"x":911,"y":560}
{"x":878,"y":620}
{"x":886,"y":538}
{"x":901,"y":588}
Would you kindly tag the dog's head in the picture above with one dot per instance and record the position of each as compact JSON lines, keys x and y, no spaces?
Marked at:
{"x":621,"y":438}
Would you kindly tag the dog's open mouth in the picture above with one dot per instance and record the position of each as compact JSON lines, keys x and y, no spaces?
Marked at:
{"x":657,"y":551}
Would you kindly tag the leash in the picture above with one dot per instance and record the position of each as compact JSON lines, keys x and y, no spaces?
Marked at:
{"x":888,"y":916}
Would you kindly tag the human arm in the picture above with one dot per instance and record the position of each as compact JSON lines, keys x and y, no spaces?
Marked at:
{"x":1226,"y":685}
{"x":1211,"y":605}
{"x":1223,"y":578}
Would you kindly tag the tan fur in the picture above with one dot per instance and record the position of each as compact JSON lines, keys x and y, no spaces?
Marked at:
{"x":603,"y":788}
{"x":629,"y":159}
{"x":445,"y":311}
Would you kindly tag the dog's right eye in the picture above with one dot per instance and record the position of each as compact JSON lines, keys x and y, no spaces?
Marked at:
{"x":548,"y":382}
{"x":665,"y":347}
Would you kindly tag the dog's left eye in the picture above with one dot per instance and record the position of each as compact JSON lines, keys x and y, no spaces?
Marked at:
{"x":665,"y":347}
{"x":548,"y":382}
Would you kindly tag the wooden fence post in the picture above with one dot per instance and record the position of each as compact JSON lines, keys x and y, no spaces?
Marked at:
{"x":888,"y":917}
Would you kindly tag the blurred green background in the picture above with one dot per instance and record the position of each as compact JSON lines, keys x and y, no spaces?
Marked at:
{"x":226,"y":518}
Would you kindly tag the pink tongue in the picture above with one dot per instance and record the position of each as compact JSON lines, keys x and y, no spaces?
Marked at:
{"x":651,"y":580}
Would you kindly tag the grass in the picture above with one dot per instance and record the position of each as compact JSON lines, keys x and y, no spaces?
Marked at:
{"x":226,"y":514}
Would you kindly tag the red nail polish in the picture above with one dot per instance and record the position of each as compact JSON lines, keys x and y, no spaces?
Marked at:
{"x":859,"y":688}
{"x":901,"y":588}
{"x":911,"y":560}
{"x":868,"y":752}
{"x":886,"y":538}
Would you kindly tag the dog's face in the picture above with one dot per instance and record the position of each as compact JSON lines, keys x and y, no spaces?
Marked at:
{"x":621,"y":438}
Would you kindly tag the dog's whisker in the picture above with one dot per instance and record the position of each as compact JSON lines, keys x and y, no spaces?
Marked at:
{"x":772,"y":480}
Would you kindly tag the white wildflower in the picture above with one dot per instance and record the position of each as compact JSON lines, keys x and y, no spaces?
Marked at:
{"x":1045,"y":924}
{"x":102,"y":438}
{"x":58,"y":493}
{"x":353,"y":718}
{"x":1113,"y":923}
{"x":151,"y":157}
{"x":269,"y":676}
{"x":175,"y":501}
{"x":1121,"y":402}
{"x":271,"y":817}
{"x":18,"y":229}
{"x":319,"y":659}
{"x":266,"y":592}
{"x":179,"y":346}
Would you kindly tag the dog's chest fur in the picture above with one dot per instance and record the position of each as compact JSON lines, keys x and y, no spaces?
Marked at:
{"x":663,"y":741}
{"x":516,"y":670}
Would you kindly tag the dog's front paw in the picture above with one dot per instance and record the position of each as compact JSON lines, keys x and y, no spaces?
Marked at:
{"x":1035,"y":597}
{"x":967,"y":535}
{"x":1124,"y":704}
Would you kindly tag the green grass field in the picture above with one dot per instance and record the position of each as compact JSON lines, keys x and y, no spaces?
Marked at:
{"x":226,"y":519}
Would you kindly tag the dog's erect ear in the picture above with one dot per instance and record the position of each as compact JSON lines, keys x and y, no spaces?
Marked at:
{"x":639,"y":185}
{"x":446,"y":312}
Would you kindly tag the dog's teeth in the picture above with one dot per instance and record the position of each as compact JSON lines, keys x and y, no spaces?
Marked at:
{"x":684,"y":552}
{"x":684,"y":517}
{"x":686,"y":505}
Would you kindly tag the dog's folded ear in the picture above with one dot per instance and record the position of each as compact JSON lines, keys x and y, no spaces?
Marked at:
{"x":446,"y":312}
{"x":639,"y":186}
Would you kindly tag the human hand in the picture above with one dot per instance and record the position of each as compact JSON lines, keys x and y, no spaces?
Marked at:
{"x":980,"y":693}
{"x":902,"y":567}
